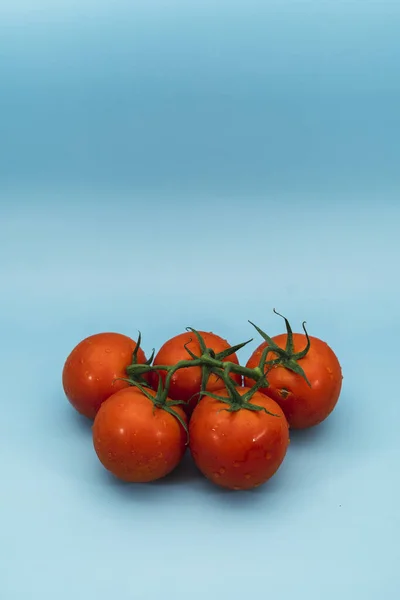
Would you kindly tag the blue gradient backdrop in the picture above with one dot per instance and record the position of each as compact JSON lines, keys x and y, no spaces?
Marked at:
{"x":174,"y":164}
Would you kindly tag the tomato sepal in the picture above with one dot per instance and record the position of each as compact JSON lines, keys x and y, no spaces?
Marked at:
{"x":161,"y":401}
{"x":237,"y":401}
{"x":136,"y":370}
{"x":286,"y":356}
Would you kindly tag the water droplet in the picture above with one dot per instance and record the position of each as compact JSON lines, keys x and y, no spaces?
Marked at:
{"x":248,"y":476}
{"x":82,"y":361}
{"x":237,"y":487}
{"x":222,"y":470}
{"x":216,"y":474}
{"x":257,"y":484}
{"x":268,"y":455}
{"x":108,"y":350}
{"x":160,"y":455}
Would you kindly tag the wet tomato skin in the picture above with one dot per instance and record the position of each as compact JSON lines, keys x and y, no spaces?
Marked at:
{"x":92,"y":367}
{"x":304,"y":406}
{"x":135,"y":441}
{"x":186,"y":383}
{"x":238,"y":450}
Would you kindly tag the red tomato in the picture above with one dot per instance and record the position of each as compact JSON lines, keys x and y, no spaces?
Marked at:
{"x":238,"y":450}
{"x":135,"y":440}
{"x":91,"y":369}
{"x":186,"y":382}
{"x":303,"y":405}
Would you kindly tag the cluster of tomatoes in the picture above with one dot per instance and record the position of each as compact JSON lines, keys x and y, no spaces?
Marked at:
{"x":194,"y":394}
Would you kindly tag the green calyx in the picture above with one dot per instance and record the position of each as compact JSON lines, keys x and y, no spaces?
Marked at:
{"x":286,"y":357}
{"x":211,"y":362}
{"x":237,"y":401}
{"x":136,"y":369}
{"x":160,"y":400}
{"x":218,"y":364}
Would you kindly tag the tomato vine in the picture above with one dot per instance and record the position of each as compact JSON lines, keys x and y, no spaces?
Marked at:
{"x":214,"y":363}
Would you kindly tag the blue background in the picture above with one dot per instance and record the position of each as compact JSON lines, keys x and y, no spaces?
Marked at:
{"x":199,"y":164}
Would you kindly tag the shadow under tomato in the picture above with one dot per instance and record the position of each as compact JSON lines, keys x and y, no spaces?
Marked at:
{"x":187,"y":474}
{"x":234,"y":499}
{"x":304,"y":437}
{"x":321,"y":433}
{"x":187,"y":477}
{"x":67,"y":418}
{"x":184,"y":474}
{"x":240,"y":498}
{"x":83,"y":424}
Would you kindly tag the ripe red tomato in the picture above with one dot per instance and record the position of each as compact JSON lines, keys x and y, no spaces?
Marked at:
{"x":90,"y":370}
{"x":303,"y":405}
{"x":186,"y":382}
{"x":135,"y":440}
{"x":238,"y":450}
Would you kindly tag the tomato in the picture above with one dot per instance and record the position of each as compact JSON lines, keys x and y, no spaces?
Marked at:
{"x":90,"y":370}
{"x":238,"y":450}
{"x":135,"y":440}
{"x":186,"y":382}
{"x":304,"y":405}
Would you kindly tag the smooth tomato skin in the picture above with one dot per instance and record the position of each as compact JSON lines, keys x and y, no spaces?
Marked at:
{"x":304,"y":406}
{"x":238,"y":450}
{"x":186,"y":382}
{"x":136,"y":442}
{"x":90,"y":370}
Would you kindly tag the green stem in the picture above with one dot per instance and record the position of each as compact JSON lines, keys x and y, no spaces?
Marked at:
{"x":210,"y":362}
{"x":171,"y":370}
{"x":204,"y":360}
{"x":244,"y":371}
{"x":161,"y":402}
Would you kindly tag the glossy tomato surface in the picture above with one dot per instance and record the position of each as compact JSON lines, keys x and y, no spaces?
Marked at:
{"x":304,"y":405}
{"x":92,"y":368}
{"x":238,"y":450}
{"x":186,"y":383}
{"x":136,"y":441}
